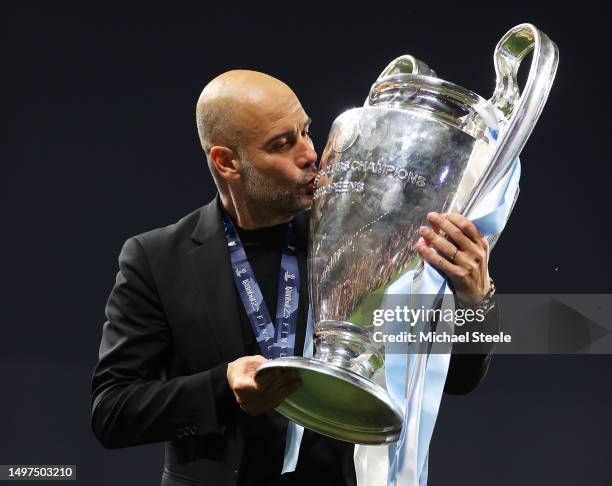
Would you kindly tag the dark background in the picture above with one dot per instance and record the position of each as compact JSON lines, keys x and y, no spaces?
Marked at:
{"x":101,"y":144}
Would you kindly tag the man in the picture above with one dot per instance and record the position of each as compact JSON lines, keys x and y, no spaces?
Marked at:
{"x":179,"y":350}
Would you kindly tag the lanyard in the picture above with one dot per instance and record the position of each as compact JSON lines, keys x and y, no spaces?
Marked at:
{"x":273,"y":341}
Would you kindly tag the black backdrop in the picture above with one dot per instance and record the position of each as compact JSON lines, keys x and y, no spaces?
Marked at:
{"x":101,"y":144}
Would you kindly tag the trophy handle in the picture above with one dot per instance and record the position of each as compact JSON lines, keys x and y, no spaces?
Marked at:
{"x":405,"y":64}
{"x":521,"y":111}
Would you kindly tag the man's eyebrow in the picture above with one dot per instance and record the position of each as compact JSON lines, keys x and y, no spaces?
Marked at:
{"x":286,"y":133}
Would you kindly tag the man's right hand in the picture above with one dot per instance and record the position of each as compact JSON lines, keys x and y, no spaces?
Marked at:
{"x":267,"y":391}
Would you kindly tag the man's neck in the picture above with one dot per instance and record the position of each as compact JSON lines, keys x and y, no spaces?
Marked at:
{"x":248,"y":216}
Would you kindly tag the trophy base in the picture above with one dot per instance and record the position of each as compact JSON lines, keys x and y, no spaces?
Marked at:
{"x":338,"y":403}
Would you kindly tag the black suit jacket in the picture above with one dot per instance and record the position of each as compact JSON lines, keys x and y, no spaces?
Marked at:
{"x":172,"y":319}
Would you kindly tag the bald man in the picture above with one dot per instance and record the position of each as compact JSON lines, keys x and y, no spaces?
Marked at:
{"x":183,"y":338}
{"x":179,"y":348}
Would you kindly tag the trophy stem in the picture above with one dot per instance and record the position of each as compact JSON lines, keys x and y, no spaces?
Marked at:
{"x":348,"y":346}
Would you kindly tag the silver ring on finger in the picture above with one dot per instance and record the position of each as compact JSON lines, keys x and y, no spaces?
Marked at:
{"x":450,"y":259}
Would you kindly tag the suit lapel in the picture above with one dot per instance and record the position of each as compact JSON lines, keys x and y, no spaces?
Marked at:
{"x":213,"y":275}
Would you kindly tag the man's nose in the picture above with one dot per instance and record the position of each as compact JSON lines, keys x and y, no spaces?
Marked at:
{"x":307,"y":155}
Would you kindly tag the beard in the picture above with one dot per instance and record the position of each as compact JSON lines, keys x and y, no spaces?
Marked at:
{"x":286,"y":200}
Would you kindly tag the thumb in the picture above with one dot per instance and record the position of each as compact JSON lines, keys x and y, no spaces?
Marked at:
{"x":254,"y":362}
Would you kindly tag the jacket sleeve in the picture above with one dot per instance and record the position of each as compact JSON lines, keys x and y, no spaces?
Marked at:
{"x":470,"y":362}
{"x":131,"y":402}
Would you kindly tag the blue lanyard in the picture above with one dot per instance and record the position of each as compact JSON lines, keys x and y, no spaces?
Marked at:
{"x":274,"y":342}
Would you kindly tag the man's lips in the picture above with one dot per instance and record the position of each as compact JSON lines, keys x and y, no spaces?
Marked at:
{"x":310,"y":185}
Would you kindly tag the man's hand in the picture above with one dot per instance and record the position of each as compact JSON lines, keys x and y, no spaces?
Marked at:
{"x":267,"y":391}
{"x":463,"y":256}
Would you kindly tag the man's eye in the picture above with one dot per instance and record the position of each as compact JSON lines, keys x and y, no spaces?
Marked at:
{"x":280,"y":145}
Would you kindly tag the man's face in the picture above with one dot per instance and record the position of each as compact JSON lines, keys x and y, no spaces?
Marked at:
{"x":278,"y":158}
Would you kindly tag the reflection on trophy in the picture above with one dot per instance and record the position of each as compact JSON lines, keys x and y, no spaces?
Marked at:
{"x":419,"y":144}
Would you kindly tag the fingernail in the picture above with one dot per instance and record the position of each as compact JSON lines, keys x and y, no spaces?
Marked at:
{"x":423,"y":230}
{"x":433,"y":216}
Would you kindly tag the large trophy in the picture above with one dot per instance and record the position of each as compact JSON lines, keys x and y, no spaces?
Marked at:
{"x":419,"y":144}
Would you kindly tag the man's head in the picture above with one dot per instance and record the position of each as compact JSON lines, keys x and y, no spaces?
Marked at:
{"x":254,"y":132}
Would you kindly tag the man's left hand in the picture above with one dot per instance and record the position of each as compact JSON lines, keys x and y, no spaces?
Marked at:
{"x":455,"y":246}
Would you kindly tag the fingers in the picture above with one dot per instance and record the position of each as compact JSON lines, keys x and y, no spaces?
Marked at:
{"x":430,"y":256}
{"x":469,"y":228}
{"x":284,"y":378}
{"x":264,"y":379}
{"x":252,"y":363}
{"x":466,"y":226}
{"x":267,"y":390}
{"x":247,"y":365}
{"x":451,"y":254}
{"x":461,"y":239}
{"x":436,"y":227}
{"x":261,"y":401}
{"x":441,"y":244}
{"x":272,"y":379}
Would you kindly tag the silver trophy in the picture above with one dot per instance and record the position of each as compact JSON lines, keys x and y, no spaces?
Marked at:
{"x":418,"y":144}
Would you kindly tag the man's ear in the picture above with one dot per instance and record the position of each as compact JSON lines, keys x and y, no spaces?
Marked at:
{"x":226,"y":162}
